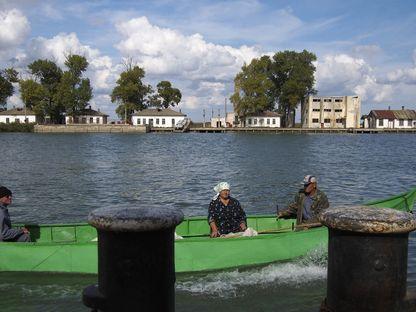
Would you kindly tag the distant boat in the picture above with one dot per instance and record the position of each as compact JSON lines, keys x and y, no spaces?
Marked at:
{"x":73,"y":247}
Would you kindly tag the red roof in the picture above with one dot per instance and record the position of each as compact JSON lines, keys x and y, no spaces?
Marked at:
{"x":383,"y":114}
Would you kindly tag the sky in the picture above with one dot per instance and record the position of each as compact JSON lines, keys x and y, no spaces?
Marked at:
{"x":365,"y":48}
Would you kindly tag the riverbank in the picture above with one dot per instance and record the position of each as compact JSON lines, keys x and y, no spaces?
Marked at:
{"x":17,"y":127}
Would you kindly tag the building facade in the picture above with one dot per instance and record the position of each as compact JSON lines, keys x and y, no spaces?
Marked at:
{"x":221,"y":122}
{"x":17,"y":115}
{"x":87,"y":116}
{"x":265,"y":119}
{"x":391,"y":119}
{"x":332,"y":112}
{"x":159,"y":118}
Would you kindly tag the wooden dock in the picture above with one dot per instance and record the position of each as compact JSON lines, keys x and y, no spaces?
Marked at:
{"x":289,"y":130}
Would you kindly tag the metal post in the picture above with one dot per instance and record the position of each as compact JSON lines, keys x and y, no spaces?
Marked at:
{"x":367,"y":259}
{"x":136,"y":270}
{"x":203,"y":114}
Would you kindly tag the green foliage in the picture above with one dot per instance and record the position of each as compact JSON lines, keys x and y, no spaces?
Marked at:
{"x":253,"y":88}
{"x":16,"y":127}
{"x":168,"y":95}
{"x":293,"y":77}
{"x":54,"y":92}
{"x":73,"y":92}
{"x":130,"y":92}
{"x":7,"y":77}
{"x":286,"y":80}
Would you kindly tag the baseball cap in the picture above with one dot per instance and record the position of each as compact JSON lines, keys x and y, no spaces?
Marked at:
{"x":309,"y":179}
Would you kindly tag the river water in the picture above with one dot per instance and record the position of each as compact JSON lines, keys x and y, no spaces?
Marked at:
{"x":59,"y":178}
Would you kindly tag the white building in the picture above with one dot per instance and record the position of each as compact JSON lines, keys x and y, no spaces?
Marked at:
{"x":265,"y":119}
{"x":332,"y":112}
{"x":221,"y":122}
{"x":18,"y":115}
{"x":87,"y":116}
{"x":391,"y":119}
{"x":156,"y":117}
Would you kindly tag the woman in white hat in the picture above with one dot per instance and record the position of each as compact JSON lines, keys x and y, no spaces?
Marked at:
{"x":225,"y":214}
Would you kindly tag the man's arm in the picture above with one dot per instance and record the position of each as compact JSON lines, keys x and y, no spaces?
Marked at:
{"x":291,"y":210}
{"x":6,"y":232}
{"x":214,"y":230}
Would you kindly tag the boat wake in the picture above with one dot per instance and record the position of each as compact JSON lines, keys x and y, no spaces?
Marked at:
{"x":307,"y":269}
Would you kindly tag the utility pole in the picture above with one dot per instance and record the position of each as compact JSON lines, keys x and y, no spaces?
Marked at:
{"x":203,"y":114}
{"x":125,"y":114}
{"x":225,"y":112}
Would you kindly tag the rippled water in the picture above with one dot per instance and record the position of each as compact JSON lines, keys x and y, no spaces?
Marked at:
{"x":61,"y":177}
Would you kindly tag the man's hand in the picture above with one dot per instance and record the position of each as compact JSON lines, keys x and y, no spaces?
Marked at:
{"x":25,"y":230}
{"x":214,"y":234}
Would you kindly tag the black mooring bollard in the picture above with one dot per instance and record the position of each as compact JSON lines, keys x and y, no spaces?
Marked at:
{"x":367,"y":259}
{"x":136,"y":270}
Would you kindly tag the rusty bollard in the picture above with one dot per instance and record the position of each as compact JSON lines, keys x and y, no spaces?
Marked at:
{"x":136,"y":270}
{"x":367,"y":259}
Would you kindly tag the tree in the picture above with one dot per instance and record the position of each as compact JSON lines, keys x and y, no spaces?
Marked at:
{"x":130,"y":92}
{"x":45,"y":102}
{"x":292,"y":74}
{"x":253,"y":88}
{"x":7,"y":77}
{"x":34,"y":95}
{"x":168,"y":95}
{"x":74,"y":92}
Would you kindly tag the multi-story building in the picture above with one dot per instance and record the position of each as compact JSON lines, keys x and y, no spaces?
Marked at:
{"x":332,"y":112}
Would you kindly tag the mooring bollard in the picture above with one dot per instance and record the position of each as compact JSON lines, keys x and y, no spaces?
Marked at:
{"x":367,"y":259}
{"x":136,"y":270}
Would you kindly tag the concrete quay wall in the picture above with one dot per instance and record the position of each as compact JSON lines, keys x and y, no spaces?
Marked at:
{"x":90,"y":129}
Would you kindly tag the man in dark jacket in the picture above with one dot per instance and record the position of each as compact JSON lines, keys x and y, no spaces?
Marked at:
{"x":7,"y":234}
{"x":308,"y":203}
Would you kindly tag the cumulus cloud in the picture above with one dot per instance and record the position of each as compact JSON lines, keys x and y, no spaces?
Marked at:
{"x":342,"y":74}
{"x":404,"y":75}
{"x":163,"y":51}
{"x":14,"y":27}
{"x":101,"y":70}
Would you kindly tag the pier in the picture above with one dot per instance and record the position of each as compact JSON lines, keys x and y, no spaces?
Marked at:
{"x":288,"y":130}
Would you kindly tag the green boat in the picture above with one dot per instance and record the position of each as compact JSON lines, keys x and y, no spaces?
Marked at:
{"x":72,"y":248}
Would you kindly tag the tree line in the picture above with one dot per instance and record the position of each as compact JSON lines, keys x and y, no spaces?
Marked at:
{"x":278,"y":83}
{"x":55,"y":92}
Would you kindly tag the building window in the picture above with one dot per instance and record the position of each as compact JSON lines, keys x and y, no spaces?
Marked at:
{"x":173,"y":122}
{"x":163,"y":121}
{"x":409,"y":122}
{"x":91,"y":120}
{"x":157,"y":121}
{"x":144,"y":121}
{"x":401,"y":122}
{"x":338,"y":100}
{"x":97,"y":120}
{"x":7,"y":120}
{"x":327,"y":120}
{"x":17,"y":120}
{"x":138,"y":121}
{"x":316,"y":110}
{"x":261,"y":121}
{"x":26,"y":120}
{"x":316,"y":100}
{"x":327,"y":110}
{"x":249,"y":121}
{"x":338,"y":110}
{"x":327,"y":100}
{"x":268,"y":121}
{"x":274,"y":121}
{"x":315,"y":120}
{"x":381,"y":122}
{"x":338,"y":120}
{"x":255,"y":121}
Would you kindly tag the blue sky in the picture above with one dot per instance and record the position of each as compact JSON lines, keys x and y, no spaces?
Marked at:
{"x":363,"y":47}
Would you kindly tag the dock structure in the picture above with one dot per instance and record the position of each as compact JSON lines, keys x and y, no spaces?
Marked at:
{"x":289,"y":130}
